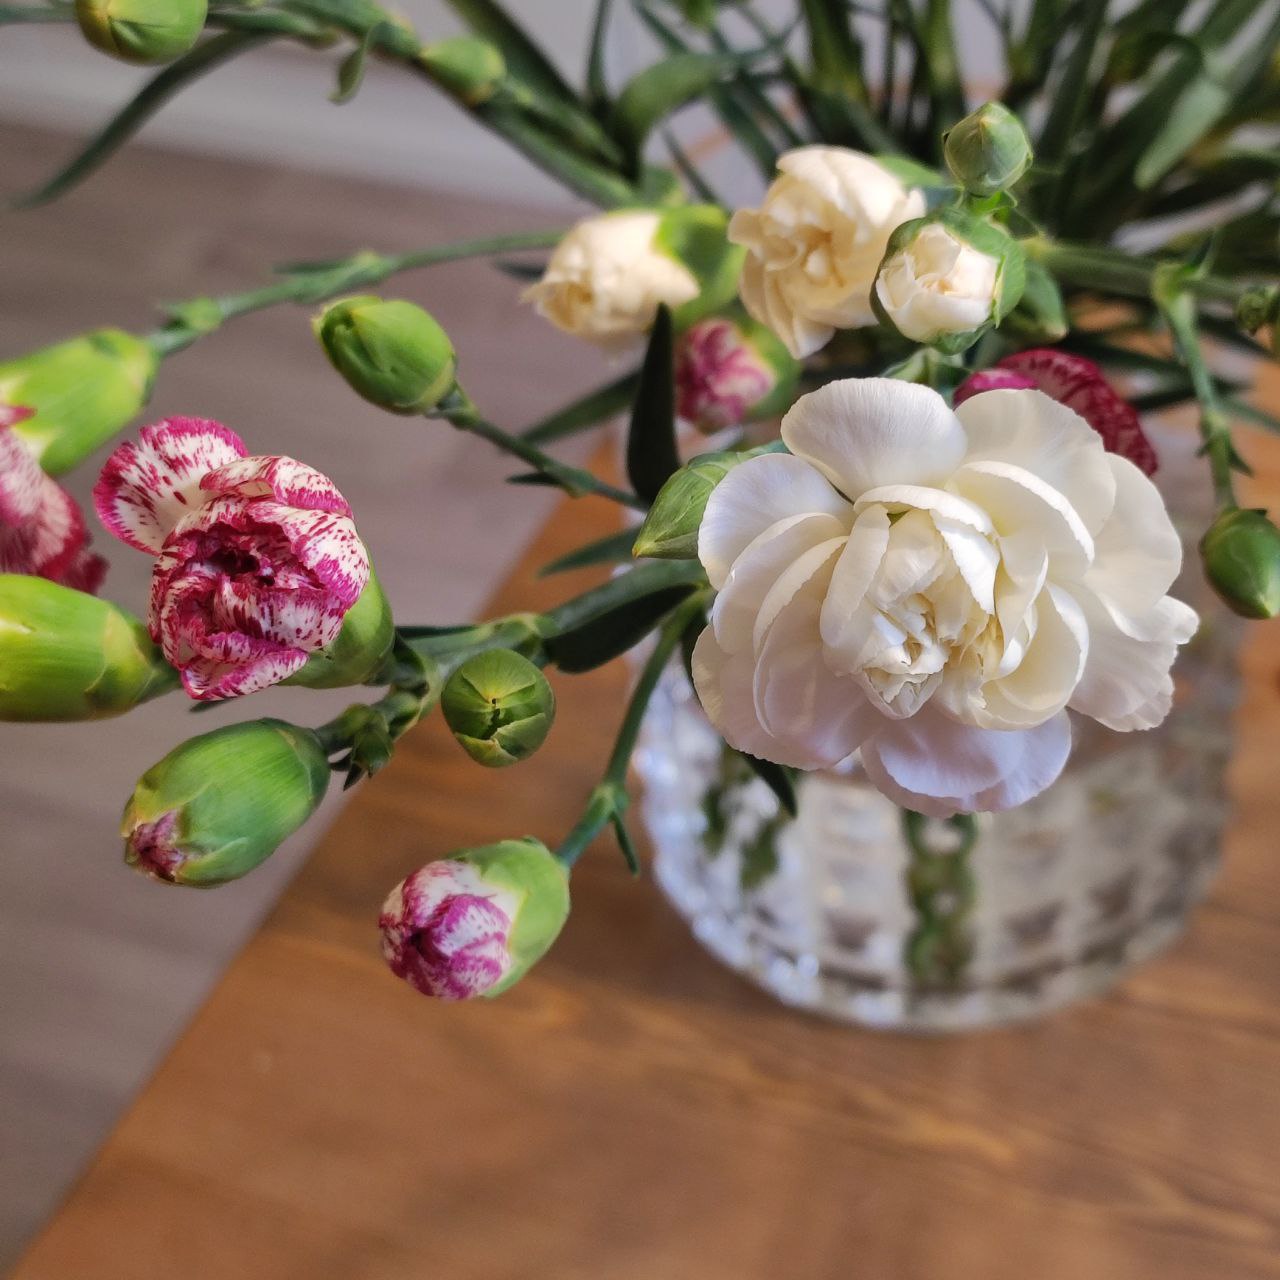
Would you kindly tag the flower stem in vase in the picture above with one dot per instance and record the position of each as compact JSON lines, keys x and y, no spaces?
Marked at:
{"x":940,"y":887}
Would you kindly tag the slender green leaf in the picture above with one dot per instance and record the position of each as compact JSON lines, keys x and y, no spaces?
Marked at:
{"x":689,"y":171}
{"x":588,"y":412}
{"x":205,"y":57}
{"x":613,"y":548}
{"x":1069,"y":94}
{"x":834,"y":48}
{"x":351,"y":68}
{"x":652,"y":456}
{"x":625,"y":843}
{"x":611,"y":634}
{"x":18,"y":13}
{"x":597,"y":83}
{"x":524,"y":59}
{"x":520,"y":270}
{"x":777,"y":777}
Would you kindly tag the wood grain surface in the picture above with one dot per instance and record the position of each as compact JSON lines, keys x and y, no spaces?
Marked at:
{"x":633,"y":1111}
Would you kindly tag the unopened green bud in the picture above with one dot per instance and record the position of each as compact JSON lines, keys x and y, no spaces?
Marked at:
{"x":390,"y":352}
{"x":473,"y":924}
{"x":220,"y":804}
{"x":142,"y":30}
{"x":499,"y":706}
{"x":988,"y":151}
{"x":1041,"y":314}
{"x":66,"y":655}
{"x":1241,"y":555}
{"x":466,"y":66}
{"x":670,"y":530}
{"x":83,"y":392}
{"x":362,"y":646}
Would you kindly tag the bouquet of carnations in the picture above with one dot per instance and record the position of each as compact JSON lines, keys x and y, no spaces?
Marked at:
{"x":951,"y":545}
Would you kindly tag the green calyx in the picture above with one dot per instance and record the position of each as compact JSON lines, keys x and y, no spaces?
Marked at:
{"x":1241,"y":555}
{"x":83,"y":391}
{"x":670,"y":530}
{"x":1041,"y":313}
{"x":360,"y":652}
{"x":391,"y":352}
{"x":66,"y":655}
{"x":499,"y":706}
{"x":696,"y":236}
{"x":988,"y":151}
{"x":142,"y":31}
{"x":222,"y":803}
{"x":468,"y":67}
{"x":529,"y":870}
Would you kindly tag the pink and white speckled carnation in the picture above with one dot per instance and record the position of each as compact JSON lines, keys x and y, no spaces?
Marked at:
{"x":445,"y":931}
{"x":257,"y":558}
{"x":42,"y":532}
{"x":719,"y":376}
{"x":1080,"y":385}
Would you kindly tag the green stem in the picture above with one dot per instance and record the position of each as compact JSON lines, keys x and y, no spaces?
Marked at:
{"x":319,"y":282}
{"x":1114,"y":271}
{"x":941,"y":889}
{"x":575,"y":481}
{"x":609,"y":798}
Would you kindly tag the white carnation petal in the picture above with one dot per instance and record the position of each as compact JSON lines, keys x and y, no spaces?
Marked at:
{"x":975,"y":556}
{"x":939,"y":502}
{"x":1137,"y":553}
{"x":800,"y":574}
{"x":1031,"y":430}
{"x":723,"y":683}
{"x":814,"y":717}
{"x":1126,"y":683}
{"x":865,"y":432}
{"x":1023,"y":506}
{"x":841,"y":626}
{"x":754,"y":495}
{"x":755,"y":572}
{"x":939,"y":767}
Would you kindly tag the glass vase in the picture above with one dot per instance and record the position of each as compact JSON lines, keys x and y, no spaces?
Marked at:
{"x":857,"y":910}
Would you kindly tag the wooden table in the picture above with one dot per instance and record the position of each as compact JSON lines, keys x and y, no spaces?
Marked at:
{"x":632,"y":1111}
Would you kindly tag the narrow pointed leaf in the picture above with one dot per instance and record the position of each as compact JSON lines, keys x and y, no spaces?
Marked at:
{"x":777,"y":778}
{"x":597,"y":83}
{"x":351,"y":69}
{"x":611,"y":634}
{"x":205,"y":57}
{"x":625,"y":843}
{"x":588,"y":412}
{"x":652,"y":456}
{"x":613,"y":548}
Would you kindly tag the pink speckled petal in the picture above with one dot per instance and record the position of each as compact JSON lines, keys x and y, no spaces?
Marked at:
{"x":85,"y":571}
{"x":284,"y":479}
{"x":147,"y":487}
{"x":210,"y":680}
{"x":21,"y":480}
{"x":12,"y":414}
{"x":996,"y":379}
{"x":306,"y":618}
{"x":329,"y":546}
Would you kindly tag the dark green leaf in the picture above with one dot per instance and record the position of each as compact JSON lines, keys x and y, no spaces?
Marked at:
{"x":535,"y":479}
{"x":625,"y":843}
{"x":597,"y":84}
{"x":689,"y":171}
{"x":520,"y":270}
{"x":759,"y":857}
{"x":611,"y":634}
{"x":777,"y":777}
{"x":613,"y":548}
{"x":205,"y":57}
{"x":590,"y":411}
{"x":652,"y":456}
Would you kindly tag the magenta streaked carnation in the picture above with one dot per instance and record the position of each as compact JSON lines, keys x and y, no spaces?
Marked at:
{"x":42,"y":530}
{"x":445,"y":931}
{"x":257,"y":558}
{"x":720,"y":377}
{"x":153,"y":848}
{"x":1077,"y":383}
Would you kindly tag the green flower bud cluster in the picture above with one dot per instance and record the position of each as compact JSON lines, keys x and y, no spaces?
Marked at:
{"x":988,"y":151}
{"x":143,"y":31}
{"x":499,"y":706}
{"x":83,"y":391}
{"x":1241,"y":556}
{"x":220,"y":804}
{"x":66,"y":655}
{"x":392,"y":353}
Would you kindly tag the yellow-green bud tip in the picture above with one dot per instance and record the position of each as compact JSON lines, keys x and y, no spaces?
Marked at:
{"x":392,"y":353}
{"x":499,"y":706}
{"x":143,"y":31}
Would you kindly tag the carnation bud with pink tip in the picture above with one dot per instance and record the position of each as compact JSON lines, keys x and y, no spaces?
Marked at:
{"x":475,"y":923}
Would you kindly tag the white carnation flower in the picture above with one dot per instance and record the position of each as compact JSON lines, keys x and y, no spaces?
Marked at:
{"x":607,"y":278}
{"x":814,"y":245}
{"x":934,"y":590}
{"x":938,"y":285}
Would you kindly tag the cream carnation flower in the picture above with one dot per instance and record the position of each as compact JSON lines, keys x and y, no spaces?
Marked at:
{"x":938,"y":285}
{"x":935,"y":590}
{"x":607,"y":278}
{"x":815,"y":244}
